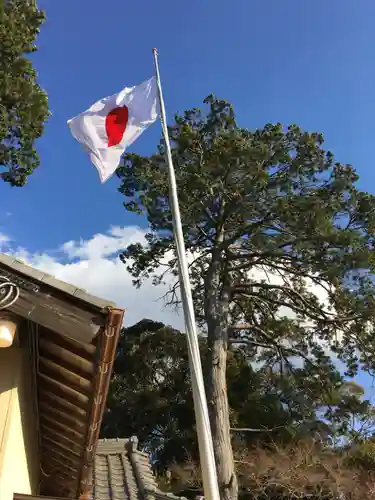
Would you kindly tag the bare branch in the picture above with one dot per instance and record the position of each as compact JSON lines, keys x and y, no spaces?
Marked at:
{"x":248,"y":342}
{"x":249,"y":429}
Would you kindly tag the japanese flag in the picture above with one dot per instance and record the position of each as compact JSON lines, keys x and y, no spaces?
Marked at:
{"x":107,"y":128}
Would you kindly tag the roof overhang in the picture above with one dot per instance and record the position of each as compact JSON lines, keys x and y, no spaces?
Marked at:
{"x":72,"y":337}
{"x":72,"y":391}
{"x":54,"y":304}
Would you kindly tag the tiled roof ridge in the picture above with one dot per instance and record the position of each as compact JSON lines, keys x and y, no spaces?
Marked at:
{"x":140,"y":465}
{"x":142,"y":470}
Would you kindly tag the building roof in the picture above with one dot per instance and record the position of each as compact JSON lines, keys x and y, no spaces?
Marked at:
{"x":15,"y":267}
{"x":72,"y":338}
{"x":122,"y":472}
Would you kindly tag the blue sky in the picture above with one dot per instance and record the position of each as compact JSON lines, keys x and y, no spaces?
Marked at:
{"x":292,"y":61}
{"x":309,"y":63}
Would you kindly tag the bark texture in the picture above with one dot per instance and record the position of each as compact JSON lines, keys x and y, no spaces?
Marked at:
{"x":217,"y":316}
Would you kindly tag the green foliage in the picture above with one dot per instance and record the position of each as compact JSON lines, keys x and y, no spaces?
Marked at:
{"x":23,"y":104}
{"x":255,"y":204}
{"x":150,"y":396}
{"x":281,"y":249}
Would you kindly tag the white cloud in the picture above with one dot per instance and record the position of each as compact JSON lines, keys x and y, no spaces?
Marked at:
{"x":4,"y":239}
{"x":94,"y":265}
{"x":103,"y":245}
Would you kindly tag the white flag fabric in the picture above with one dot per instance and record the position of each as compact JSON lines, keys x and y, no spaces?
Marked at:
{"x":107,"y":128}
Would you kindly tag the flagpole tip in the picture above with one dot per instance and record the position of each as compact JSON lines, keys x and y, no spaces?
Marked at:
{"x":155,"y":51}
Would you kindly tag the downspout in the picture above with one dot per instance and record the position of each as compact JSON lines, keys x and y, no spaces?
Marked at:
{"x":109,"y":340}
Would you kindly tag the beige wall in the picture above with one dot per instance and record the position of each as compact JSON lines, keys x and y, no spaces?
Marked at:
{"x":19,"y":460}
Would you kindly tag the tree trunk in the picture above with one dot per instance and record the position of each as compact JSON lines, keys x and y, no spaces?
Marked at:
{"x":217,"y":317}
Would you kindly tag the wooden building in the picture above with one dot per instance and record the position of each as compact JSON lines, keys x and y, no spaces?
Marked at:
{"x":57,"y":347}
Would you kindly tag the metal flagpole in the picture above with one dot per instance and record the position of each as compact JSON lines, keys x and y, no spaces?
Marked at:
{"x":206,"y":450}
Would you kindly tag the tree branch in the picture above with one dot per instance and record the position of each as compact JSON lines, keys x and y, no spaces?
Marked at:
{"x":250,"y":429}
{"x":246,"y":290}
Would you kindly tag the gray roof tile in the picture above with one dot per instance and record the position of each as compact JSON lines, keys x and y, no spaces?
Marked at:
{"x":122,"y":472}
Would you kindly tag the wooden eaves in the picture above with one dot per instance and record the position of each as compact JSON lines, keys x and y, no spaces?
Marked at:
{"x":72,"y":338}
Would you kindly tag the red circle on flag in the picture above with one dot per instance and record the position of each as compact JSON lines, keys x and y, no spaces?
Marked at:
{"x":115,"y":125}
